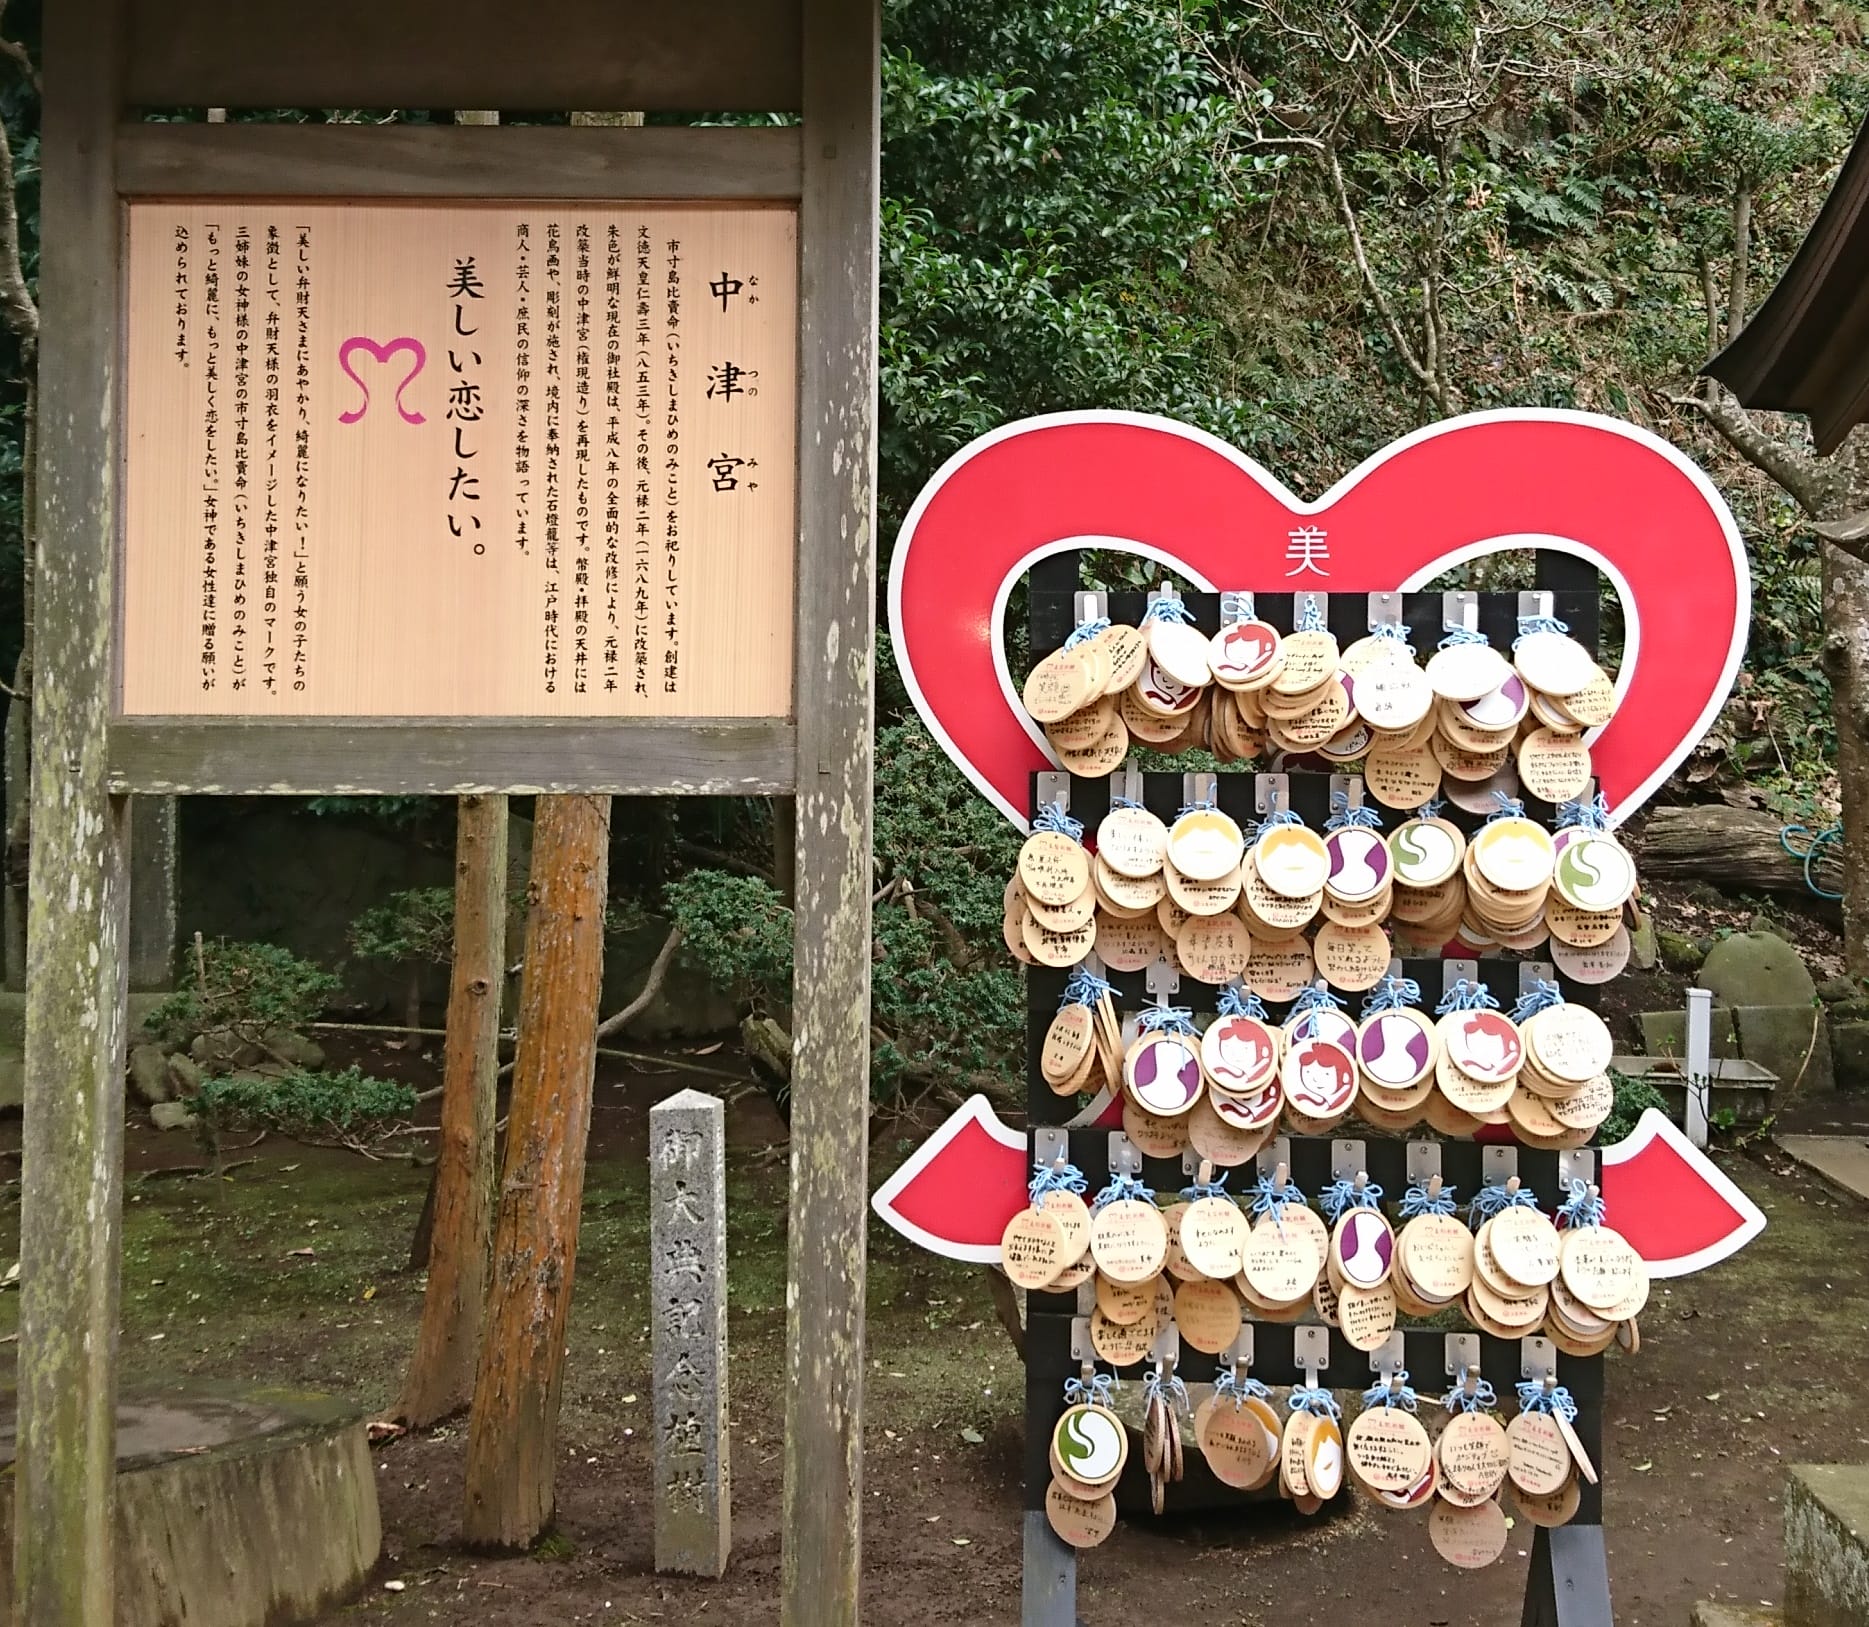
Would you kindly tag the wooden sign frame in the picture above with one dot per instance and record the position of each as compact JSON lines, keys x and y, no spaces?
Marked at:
{"x":104,"y":61}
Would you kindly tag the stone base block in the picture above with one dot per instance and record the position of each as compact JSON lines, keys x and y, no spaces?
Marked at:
{"x":1709,"y":1614}
{"x":1664,"y":1033}
{"x":1849,"y":1052}
{"x":1827,"y":1545}
{"x":236,"y":1507}
{"x":1791,"y":1041}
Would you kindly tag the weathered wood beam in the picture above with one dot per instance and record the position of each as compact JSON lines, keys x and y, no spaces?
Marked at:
{"x":836,"y":718}
{"x":72,"y":1152}
{"x":457,"y":161}
{"x":448,"y":757}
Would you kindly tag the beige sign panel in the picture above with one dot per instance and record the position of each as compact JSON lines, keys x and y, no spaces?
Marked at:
{"x":484,"y":460}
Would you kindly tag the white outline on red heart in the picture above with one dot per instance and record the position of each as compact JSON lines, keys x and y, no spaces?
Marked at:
{"x":1274,"y":488}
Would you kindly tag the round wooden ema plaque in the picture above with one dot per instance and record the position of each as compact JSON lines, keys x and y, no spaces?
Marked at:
{"x":1127,"y":649}
{"x":1200,"y":898}
{"x":1123,"y":1344}
{"x":1208,"y":1315}
{"x":1221,"y":1137}
{"x":1058,"y":949}
{"x":1125,"y":1303}
{"x":1280,"y":971}
{"x":1053,"y":868}
{"x":1214,"y":1234}
{"x":1162,"y":1074}
{"x":1031,"y":1248}
{"x":1367,"y":1315}
{"x":1292,"y":861}
{"x":1214,"y":948}
{"x":1128,"y":1240}
{"x":1154,"y":1137}
{"x":1471,"y":1538}
{"x":1411,"y":1497}
{"x":1554,"y":663}
{"x":1436,"y":1255}
{"x":1067,"y":1042}
{"x":1389,"y":1449}
{"x":1525,"y":1245}
{"x":1362,"y":1248}
{"x":1059,"y":685}
{"x":1236,"y":1444}
{"x":1284,"y":1258}
{"x":1473,"y":1453}
{"x":1352,"y":957}
{"x":1538,"y":1460}
{"x":1468,"y":1094}
{"x":1465,"y":672}
{"x":1090,"y":1445}
{"x":1514,"y":854}
{"x":1601,"y":1268}
{"x":1570,"y":1042}
{"x":1073,"y":1217}
{"x":1204,"y":844}
{"x":1245,"y":655}
{"x":1360,"y":865}
{"x":1595,"y":873}
{"x":1240,"y":1054}
{"x":1293,"y":1439}
{"x":1484,"y":1045}
{"x":1132,"y":842}
{"x":1323,"y":1459}
{"x":1079,"y":1522}
{"x":1319,"y":1077}
{"x":1396,"y":1049}
{"x":1559,"y":1508}
{"x":1180,"y":650}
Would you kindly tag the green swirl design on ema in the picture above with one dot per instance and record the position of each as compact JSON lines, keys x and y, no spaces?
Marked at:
{"x":1090,"y":1444}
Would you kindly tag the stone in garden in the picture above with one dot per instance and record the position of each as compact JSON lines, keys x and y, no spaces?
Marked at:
{"x":1838,"y":991}
{"x":1679,"y":952}
{"x":171,"y":1115}
{"x":1664,"y":1033}
{"x":149,"y":1074}
{"x":294,"y":1049}
{"x":1759,"y":921}
{"x":220,"y":1051}
{"x":1643,"y":949}
{"x":688,"y":1289}
{"x":1791,"y":1041}
{"x":1849,"y":1055}
{"x":1827,"y":1545}
{"x":184,"y":1075}
{"x":1757,"y":969}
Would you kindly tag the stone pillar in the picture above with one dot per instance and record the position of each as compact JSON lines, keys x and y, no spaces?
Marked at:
{"x":688,"y":1284}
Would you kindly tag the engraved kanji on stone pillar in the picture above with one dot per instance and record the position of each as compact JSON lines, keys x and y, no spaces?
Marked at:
{"x":688,"y":1278}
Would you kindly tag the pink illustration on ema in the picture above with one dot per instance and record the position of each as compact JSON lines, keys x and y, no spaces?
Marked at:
{"x":382,"y":353}
{"x":1486,"y":1045}
{"x":1324,"y":1079}
{"x":1240,"y":1053}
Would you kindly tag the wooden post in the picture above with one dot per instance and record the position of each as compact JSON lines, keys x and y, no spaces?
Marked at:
{"x":513,"y":1432}
{"x":153,"y":859}
{"x":71,"y":1162}
{"x":441,"y":1373}
{"x":836,"y":610}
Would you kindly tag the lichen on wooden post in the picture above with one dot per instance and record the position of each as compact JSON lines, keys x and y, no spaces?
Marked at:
{"x":71,"y":1158}
{"x":836,"y":624}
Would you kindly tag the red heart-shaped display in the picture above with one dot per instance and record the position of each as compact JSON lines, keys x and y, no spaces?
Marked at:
{"x":1521,"y":478}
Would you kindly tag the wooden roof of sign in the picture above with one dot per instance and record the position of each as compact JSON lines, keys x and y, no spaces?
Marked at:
{"x":1806,"y":350}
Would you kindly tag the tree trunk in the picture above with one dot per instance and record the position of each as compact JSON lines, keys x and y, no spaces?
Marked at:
{"x":512,"y":1434}
{"x":1737,"y":850}
{"x":1846,"y":659}
{"x":441,"y":1373}
{"x":412,"y":1005}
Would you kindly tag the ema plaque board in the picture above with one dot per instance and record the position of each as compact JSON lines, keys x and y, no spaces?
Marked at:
{"x":459,"y":460}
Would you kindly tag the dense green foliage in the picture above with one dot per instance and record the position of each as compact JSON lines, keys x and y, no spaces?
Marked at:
{"x":1633,"y":1098}
{"x":343,"y":1104}
{"x":242,"y":989}
{"x":416,"y":925}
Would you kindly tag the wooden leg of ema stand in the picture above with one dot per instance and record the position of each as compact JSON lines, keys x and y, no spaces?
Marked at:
{"x":1569,"y":1581}
{"x":1050,"y":1592}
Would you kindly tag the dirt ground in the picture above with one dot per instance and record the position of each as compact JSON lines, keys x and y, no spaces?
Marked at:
{"x":1743,"y":1370}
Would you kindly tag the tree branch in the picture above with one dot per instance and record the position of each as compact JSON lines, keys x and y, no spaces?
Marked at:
{"x":1742,"y":263}
{"x":1797,"y":472}
{"x":16,"y":301}
{"x":1347,"y":213}
{"x":651,"y":987}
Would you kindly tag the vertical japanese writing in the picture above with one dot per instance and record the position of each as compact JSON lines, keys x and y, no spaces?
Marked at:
{"x":464,"y":408}
{"x":269,"y":549}
{"x":613,"y":449}
{"x":211,"y":454}
{"x":554,"y":315}
{"x":671,"y":469}
{"x":581,"y":560}
{"x":640,"y":651}
{"x":522,"y":384}
{"x":728,"y":471}
{"x":243,"y":450}
{"x":301,"y":466}
{"x":181,"y":293}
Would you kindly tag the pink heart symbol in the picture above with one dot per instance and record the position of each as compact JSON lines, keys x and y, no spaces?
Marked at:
{"x":417,"y":351}
{"x":1519,"y":478}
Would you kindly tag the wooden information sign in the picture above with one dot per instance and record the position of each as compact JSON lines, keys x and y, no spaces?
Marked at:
{"x":408,"y":458}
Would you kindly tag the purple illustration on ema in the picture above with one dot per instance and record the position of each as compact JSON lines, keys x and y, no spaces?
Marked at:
{"x":1365,"y":1248}
{"x":417,"y":351}
{"x":1394,"y":1050}
{"x":1500,"y":709}
{"x":1166,"y":1076}
{"x":1359,"y":862}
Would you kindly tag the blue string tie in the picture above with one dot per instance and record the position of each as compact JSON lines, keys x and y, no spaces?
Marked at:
{"x":1094,"y":1391}
{"x":1310,"y":617}
{"x":1236,"y":1001}
{"x":1319,"y":1402}
{"x":1344,"y":817}
{"x":1538,"y":624}
{"x":1342,"y":1195}
{"x":1483,"y":1399}
{"x":1535,"y":1397}
{"x":1318,"y":997}
{"x":1055,"y":1178}
{"x":1582,"y":1208}
{"x":1509,"y":808}
{"x":1084,"y":988}
{"x":1391,"y":994}
{"x":1167,"y":608}
{"x":1431,"y":809}
{"x":1123,"y":1189}
{"x":1397,"y":1392}
{"x":1227,"y":1382}
{"x":1493,"y":1200}
{"x":1466,"y":995}
{"x":1167,"y":1020}
{"x":1216,"y":1188}
{"x":1170,"y":1386}
{"x":1463,"y":635}
{"x":1393,"y":631}
{"x":1418,"y":1200}
{"x":1541,"y":996}
{"x":1084,"y":634}
{"x":1052,"y":817}
{"x":1269,"y":1198}
{"x":1276,"y":821}
{"x":1586,"y":813}
{"x":1124,"y":802}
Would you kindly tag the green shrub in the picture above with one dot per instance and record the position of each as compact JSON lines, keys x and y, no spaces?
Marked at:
{"x":415,"y":925}
{"x":347,"y":1103}
{"x":243,"y":989}
{"x":1634,"y":1097}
